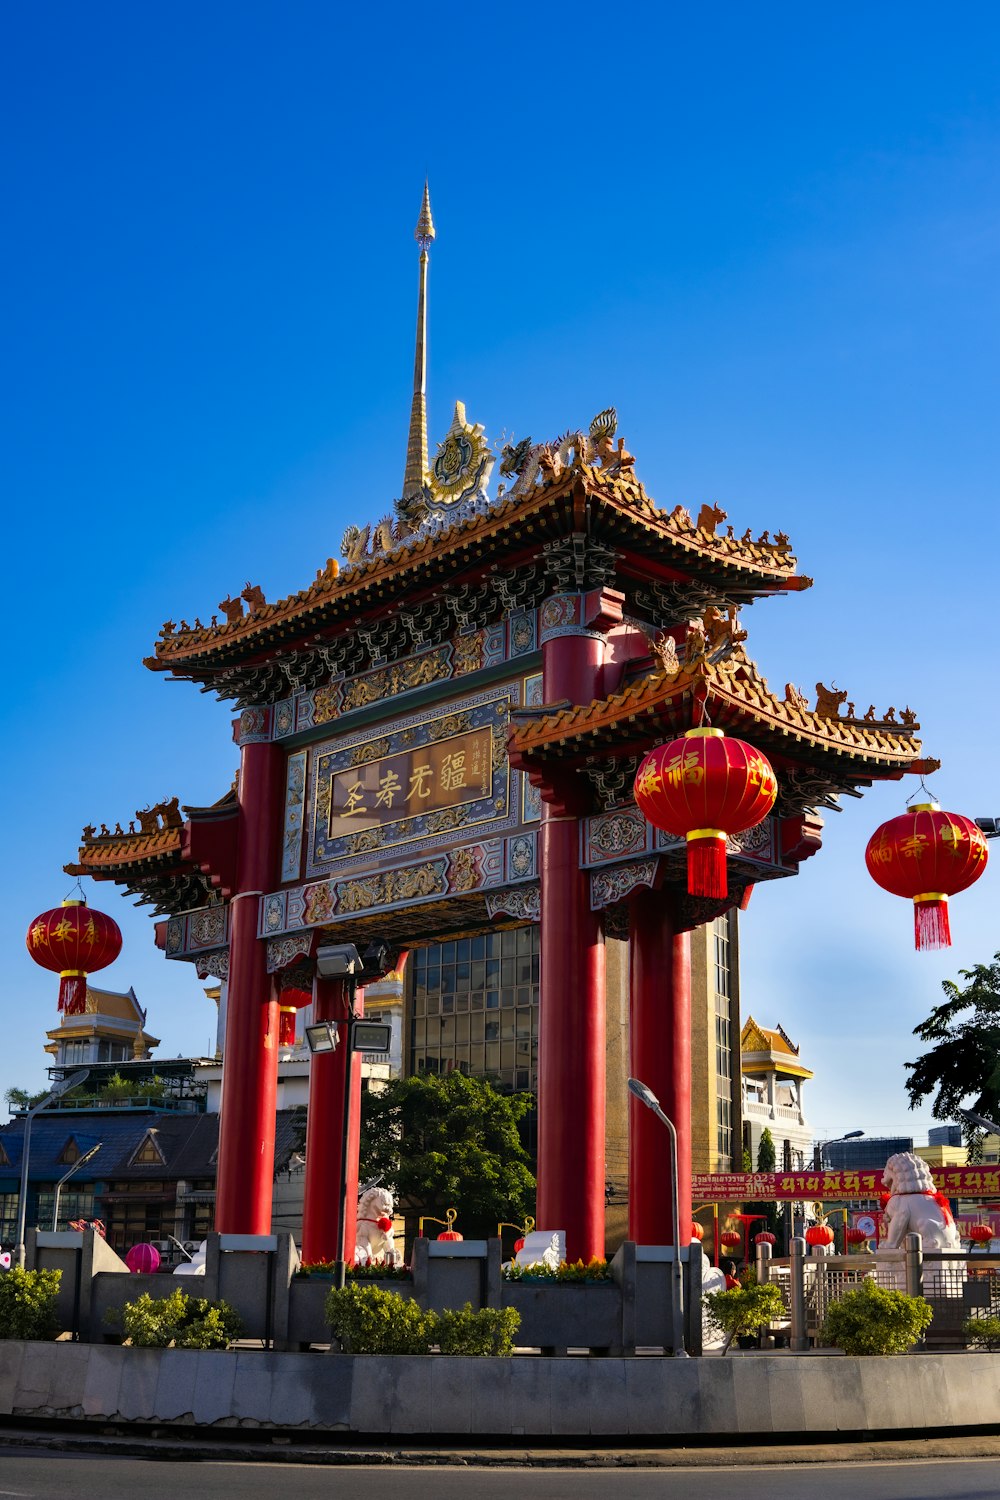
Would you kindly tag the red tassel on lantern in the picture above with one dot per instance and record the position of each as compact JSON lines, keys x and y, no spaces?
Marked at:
{"x":286,"y":1026}
{"x":705,"y":786}
{"x":927,"y":855}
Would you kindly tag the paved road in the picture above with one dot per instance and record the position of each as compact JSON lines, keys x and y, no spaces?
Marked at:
{"x":45,"y":1476}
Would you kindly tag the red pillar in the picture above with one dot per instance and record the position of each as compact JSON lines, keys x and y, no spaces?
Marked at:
{"x":245,"y":1176}
{"x":572,"y":1012}
{"x":325,"y":1133}
{"x":659,"y":1055}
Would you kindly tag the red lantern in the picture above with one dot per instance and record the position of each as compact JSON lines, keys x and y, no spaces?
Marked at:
{"x":705,"y":786}
{"x":731,"y":1238}
{"x":449,"y":1234}
{"x":927,"y":855}
{"x":819,"y":1234}
{"x":143,"y":1258}
{"x":981,"y":1234}
{"x":292,"y":999}
{"x":73,"y":941}
{"x":765,"y":1238}
{"x":697,"y":1232}
{"x":855,"y":1236}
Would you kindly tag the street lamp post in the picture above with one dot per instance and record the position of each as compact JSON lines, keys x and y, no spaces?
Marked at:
{"x":820,"y":1147}
{"x":87,"y":1155}
{"x":646,"y":1096}
{"x":57,"y":1090}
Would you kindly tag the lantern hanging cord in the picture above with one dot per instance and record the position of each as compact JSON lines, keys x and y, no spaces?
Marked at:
{"x":77,"y":886}
{"x":922,"y":790}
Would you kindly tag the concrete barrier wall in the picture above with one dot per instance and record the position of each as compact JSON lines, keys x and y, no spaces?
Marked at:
{"x":519,"y":1397}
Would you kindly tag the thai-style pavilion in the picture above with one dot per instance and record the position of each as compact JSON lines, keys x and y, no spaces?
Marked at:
{"x":438,"y":739}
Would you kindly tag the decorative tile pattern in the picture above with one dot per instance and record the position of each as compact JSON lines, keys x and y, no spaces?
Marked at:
{"x":254,"y":726}
{"x":288,"y":950}
{"x":615,"y":834}
{"x":522,"y":855}
{"x":558,"y":614}
{"x":197,"y":931}
{"x":523,"y":632}
{"x":524,"y":902}
{"x":213,"y":965}
{"x":284,"y":718}
{"x":295,"y":796}
{"x":610,"y":886}
{"x":531,"y":801}
{"x":534,"y":695}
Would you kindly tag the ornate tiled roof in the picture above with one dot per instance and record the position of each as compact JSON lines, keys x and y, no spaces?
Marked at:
{"x":735,"y":695}
{"x":167,"y":861}
{"x":608,"y":506}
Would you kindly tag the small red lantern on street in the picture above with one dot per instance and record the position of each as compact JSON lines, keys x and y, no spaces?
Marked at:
{"x":855,"y":1236}
{"x":927,"y":855}
{"x":819,"y":1234}
{"x":731,"y":1238}
{"x":705,"y":785}
{"x":980,"y":1234}
{"x":765,"y":1238}
{"x":73,"y":941}
{"x":697,"y":1231}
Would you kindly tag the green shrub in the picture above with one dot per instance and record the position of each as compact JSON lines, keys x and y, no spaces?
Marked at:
{"x":875,"y":1320}
{"x":593,"y":1270}
{"x":744,"y":1309}
{"x":28,"y":1304}
{"x":984,"y":1332}
{"x":369,"y":1320}
{"x":490,"y":1331}
{"x":178,"y":1320}
{"x":370,"y":1270}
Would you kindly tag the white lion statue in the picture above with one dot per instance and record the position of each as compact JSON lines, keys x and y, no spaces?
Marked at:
{"x":915,"y":1206}
{"x":374,"y":1237}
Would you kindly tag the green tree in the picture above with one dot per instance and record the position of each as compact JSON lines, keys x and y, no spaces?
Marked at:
{"x":767,"y":1157}
{"x":962,"y":1067}
{"x":450,"y":1142}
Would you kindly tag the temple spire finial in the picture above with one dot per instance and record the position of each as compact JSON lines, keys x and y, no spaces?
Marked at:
{"x":415,"y":476}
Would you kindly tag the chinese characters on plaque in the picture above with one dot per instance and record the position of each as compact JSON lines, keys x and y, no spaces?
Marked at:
{"x":443,"y":774}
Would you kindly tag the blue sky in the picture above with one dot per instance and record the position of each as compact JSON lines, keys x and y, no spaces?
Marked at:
{"x":769,"y":235}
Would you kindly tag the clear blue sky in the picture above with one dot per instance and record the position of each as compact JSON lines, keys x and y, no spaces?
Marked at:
{"x":769,"y":235}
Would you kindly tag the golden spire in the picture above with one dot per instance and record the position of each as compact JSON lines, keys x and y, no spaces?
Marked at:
{"x":416,"y":447}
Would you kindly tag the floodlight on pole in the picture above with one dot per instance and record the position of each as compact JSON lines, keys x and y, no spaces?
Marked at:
{"x":55,"y":1092}
{"x":323,"y":1037}
{"x":645,"y":1095}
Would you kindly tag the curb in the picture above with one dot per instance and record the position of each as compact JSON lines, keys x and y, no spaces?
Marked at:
{"x":289,"y":1449}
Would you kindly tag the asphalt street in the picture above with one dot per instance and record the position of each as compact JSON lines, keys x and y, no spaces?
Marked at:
{"x":26,"y":1475}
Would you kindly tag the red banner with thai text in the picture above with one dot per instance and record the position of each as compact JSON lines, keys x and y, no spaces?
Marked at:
{"x":770,"y":1187}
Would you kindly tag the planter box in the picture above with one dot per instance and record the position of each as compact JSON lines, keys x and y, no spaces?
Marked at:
{"x":559,"y":1316}
{"x":307,"y":1300}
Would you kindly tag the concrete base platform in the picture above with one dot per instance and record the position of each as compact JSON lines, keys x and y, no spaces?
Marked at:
{"x":362,"y":1396}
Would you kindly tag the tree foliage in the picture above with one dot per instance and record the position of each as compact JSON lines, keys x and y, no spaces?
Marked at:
{"x":449,"y":1142}
{"x":962,"y":1067}
{"x":767,"y":1157}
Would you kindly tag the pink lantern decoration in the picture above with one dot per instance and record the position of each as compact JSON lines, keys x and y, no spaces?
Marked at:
{"x":143,"y":1259}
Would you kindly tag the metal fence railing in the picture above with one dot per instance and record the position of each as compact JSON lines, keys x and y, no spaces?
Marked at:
{"x":958,"y":1286}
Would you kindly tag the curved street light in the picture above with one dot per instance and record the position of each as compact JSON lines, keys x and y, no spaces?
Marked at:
{"x":57,"y":1090}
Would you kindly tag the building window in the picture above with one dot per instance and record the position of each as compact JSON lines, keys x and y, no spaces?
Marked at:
{"x":723,"y":987}
{"x":475,"y":1007}
{"x":77,"y":1052}
{"x":148,"y":1154}
{"x":70,"y":1153}
{"x":8,"y":1218}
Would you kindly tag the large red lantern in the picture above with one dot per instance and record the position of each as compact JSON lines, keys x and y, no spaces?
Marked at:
{"x":855,"y":1236}
{"x":73,"y":941}
{"x":927,"y":855}
{"x":291,"y":1000}
{"x":980,"y":1234}
{"x":731,"y":1238}
{"x":765,"y":1238}
{"x":819,"y":1234}
{"x":705,"y":786}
